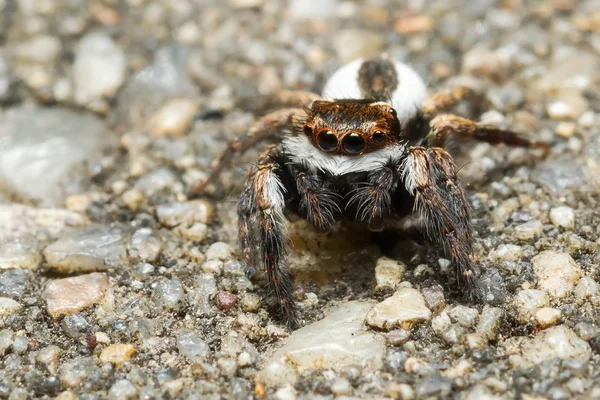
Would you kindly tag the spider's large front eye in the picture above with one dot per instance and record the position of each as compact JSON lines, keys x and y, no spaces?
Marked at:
{"x":378,"y":137}
{"x":327,"y":141}
{"x":353,"y":143}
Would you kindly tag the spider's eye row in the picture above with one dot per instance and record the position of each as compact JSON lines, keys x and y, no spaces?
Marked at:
{"x":378,"y":137}
{"x":353,"y":143}
{"x":327,"y":141}
{"x":307,"y":130}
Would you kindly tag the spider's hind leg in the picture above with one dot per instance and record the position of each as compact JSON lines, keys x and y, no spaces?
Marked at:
{"x":430,"y":175}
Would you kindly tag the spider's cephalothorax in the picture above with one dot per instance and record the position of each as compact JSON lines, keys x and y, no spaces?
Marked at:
{"x":374,"y":155}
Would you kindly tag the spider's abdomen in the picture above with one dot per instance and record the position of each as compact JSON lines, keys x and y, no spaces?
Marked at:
{"x":406,"y":97}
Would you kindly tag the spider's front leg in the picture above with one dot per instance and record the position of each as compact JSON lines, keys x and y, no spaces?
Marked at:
{"x":318,"y":203}
{"x":373,"y":199}
{"x":430,"y":175}
{"x":263,"y":226}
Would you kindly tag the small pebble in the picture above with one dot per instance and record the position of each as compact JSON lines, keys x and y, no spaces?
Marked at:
{"x":19,"y":252}
{"x":123,"y":389}
{"x":434,"y":298}
{"x":388,"y":273}
{"x":563,"y":217}
{"x":490,"y":322}
{"x":49,"y":356}
{"x":556,"y":342}
{"x":547,"y":316}
{"x":441,"y":322}
{"x":463,"y":315}
{"x":529,"y":230}
{"x":341,"y":386}
{"x":565,"y":129}
{"x":117,"y":354}
{"x":174,"y":118}
{"x":226,"y":300}
{"x":8,"y":306}
{"x":586,"y":288}
{"x":174,"y":214}
{"x":528,"y":301}
{"x":192,"y":346}
{"x":250,"y":302}
{"x":219,"y":251}
{"x":557,"y":272}
{"x":397,"y":337}
{"x":133,"y":198}
{"x":78,"y":202}
{"x":70,"y":295}
{"x":403,"y":308}
{"x":475,"y":341}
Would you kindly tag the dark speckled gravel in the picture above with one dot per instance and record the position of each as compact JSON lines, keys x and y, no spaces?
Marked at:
{"x":111,"y":110}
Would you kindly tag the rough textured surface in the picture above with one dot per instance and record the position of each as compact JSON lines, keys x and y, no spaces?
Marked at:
{"x":69,"y":295}
{"x":337,"y":341}
{"x":110,"y":111}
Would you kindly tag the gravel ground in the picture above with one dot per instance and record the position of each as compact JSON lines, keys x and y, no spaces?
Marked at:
{"x":114,"y":285}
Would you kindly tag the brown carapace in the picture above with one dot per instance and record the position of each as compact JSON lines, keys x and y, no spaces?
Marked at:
{"x":359,"y":159}
{"x":350,"y":127}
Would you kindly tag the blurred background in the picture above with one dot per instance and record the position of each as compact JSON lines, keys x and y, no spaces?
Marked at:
{"x":111,"y":110}
{"x":78,"y":75}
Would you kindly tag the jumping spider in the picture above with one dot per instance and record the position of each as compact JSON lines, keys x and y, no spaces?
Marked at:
{"x":360,"y":158}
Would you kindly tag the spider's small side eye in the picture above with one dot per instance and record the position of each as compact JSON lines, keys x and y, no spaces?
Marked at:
{"x":353,"y":143}
{"x":378,"y":137}
{"x":393,"y":112}
{"x":327,"y":141}
{"x":307,"y":130}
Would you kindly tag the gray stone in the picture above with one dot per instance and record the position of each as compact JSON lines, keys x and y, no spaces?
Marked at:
{"x":93,"y":248}
{"x":556,"y":342}
{"x":464,"y":316}
{"x":586,"y":288}
{"x":23,"y":221}
{"x":192,"y":346}
{"x":19,"y":252}
{"x":122,"y":390}
{"x":15,"y":283}
{"x":336,"y":341}
{"x":169,"y":294}
{"x":490,"y":287}
{"x":6,"y":340}
{"x":75,"y":325}
{"x":41,"y":149}
{"x":200,"y":297}
{"x":152,"y":183}
{"x":49,"y":357}
{"x":8,"y":306}
{"x":186,"y":213}
{"x":145,"y":246}
{"x":527,"y":302}
{"x":75,"y":372}
{"x":489,"y":322}
{"x":558,"y":175}
{"x":529,"y":230}
{"x":99,"y":68}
